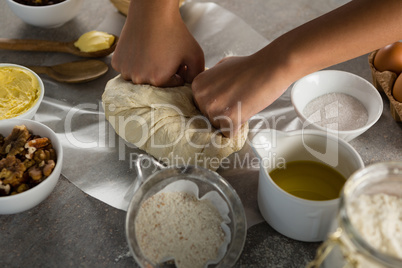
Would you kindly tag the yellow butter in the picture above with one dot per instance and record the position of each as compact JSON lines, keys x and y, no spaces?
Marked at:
{"x":94,"y":41}
{"x":19,"y":91}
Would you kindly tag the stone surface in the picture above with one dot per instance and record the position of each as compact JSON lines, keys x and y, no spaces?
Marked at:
{"x":71,"y":229}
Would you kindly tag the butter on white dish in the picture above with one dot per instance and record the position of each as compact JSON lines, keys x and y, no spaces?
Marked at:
{"x":94,"y":41}
{"x":21,"y":92}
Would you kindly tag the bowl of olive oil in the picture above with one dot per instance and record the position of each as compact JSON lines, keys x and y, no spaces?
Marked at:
{"x":309,"y":180}
{"x":301,"y":176}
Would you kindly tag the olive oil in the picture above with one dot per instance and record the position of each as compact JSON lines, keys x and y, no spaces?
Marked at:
{"x":309,"y":180}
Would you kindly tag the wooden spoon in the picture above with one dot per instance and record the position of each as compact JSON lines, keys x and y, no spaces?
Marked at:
{"x":73,"y":72}
{"x":53,"y":46}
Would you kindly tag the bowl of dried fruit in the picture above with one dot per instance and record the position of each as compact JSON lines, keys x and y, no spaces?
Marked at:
{"x":45,"y":13}
{"x":30,"y":165}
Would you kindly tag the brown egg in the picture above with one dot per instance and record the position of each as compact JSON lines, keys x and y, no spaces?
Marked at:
{"x":389,"y":58}
{"x":397,"y":90}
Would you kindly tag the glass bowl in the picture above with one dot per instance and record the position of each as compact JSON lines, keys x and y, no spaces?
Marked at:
{"x":206,"y":181}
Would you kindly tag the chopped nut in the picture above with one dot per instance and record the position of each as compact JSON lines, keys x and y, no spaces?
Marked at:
{"x":30,"y":151}
{"x":1,"y":140}
{"x":34,"y":144}
{"x":12,"y":170}
{"x":23,"y":187}
{"x":14,"y":143}
{"x":4,"y":189}
{"x":52,"y":154}
{"x":29,"y":163}
{"x":48,"y":168}
{"x":35,"y":173}
{"x":40,"y":155}
{"x":38,"y":142}
{"x":25,"y":161}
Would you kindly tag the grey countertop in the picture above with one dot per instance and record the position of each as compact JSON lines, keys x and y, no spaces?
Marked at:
{"x":70,"y":228}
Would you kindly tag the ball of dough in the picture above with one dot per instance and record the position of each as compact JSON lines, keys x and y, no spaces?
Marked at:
{"x":165,"y":123}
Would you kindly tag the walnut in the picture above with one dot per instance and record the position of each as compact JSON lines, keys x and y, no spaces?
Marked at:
{"x":1,"y":140}
{"x":22,"y":188}
{"x":48,"y":168}
{"x":38,"y":142}
{"x":12,"y":170}
{"x":4,"y":189}
{"x":40,"y":172}
{"x":34,"y":144}
{"x":29,"y":163}
{"x":35,"y":173}
{"x":25,"y":160}
{"x":14,"y":143}
{"x":44,"y":155}
{"x":39,"y":156}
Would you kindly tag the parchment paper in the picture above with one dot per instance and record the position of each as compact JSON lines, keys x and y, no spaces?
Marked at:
{"x":101,"y":164}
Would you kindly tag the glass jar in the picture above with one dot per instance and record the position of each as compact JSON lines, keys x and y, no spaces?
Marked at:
{"x":346,"y":245}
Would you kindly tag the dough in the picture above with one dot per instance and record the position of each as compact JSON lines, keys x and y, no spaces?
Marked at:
{"x":165,"y":123}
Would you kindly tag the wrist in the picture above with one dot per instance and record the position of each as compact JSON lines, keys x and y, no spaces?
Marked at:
{"x":294,"y":61}
{"x":280,"y":63}
{"x":154,"y":9}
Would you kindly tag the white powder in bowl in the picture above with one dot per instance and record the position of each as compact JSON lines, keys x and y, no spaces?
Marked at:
{"x":176,"y":225}
{"x":378,"y":218}
{"x":336,"y":111}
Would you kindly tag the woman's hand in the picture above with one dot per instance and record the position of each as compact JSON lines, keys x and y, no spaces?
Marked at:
{"x":237,"y":88}
{"x":155,"y":46}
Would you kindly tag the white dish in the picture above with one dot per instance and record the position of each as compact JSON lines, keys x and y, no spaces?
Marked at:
{"x":29,"y":114}
{"x":32,"y":197}
{"x":320,"y":83}
{"x":294,"y":217}
{"x":49,"y":16}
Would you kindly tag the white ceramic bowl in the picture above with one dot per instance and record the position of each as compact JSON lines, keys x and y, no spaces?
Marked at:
{"x":29,"y":114}
{"x":50,"y":16}
{"x":32,"y":197}
{"x":294,"y":217}
{"x":331,"y":81}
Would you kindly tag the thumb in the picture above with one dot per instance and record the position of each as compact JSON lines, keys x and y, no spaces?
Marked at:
{"x":194,"y":69}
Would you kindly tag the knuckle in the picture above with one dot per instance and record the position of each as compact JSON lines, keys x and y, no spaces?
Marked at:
{"x":195,"y":87}
{"x":125,"y":76}
{"x":156,"y":79}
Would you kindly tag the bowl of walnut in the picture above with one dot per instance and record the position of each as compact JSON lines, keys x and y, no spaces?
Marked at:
{"x":31,"y":157}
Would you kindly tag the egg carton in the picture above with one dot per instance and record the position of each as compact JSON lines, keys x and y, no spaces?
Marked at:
{"x":384,"y":81}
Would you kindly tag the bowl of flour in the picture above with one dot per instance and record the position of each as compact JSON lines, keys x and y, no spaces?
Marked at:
{"x":337,"y":102}
{"x":184,"y":216}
